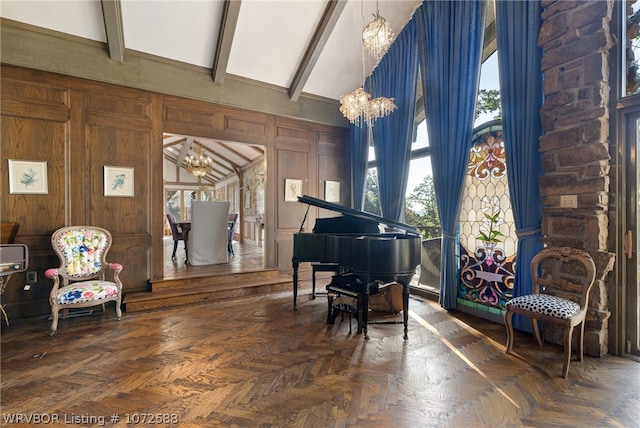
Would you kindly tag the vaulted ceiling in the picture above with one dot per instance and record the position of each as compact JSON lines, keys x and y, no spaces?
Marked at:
{"x":307,"y":47}
{"x":228,"y":158}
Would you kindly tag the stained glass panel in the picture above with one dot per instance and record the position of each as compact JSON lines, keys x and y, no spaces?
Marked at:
{"x":488,"y":241}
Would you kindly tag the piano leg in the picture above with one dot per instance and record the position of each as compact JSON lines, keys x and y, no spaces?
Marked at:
{"x":365,"y":311}
{"x":295,"y":284}
{"x":405,"y":308}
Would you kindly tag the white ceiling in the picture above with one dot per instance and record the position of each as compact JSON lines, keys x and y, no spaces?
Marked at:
{"x":268,"y":44}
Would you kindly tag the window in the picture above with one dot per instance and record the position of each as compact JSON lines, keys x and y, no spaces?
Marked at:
{"x":631,"y":58}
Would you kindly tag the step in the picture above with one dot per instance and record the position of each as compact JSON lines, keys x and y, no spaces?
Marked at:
{"x":220,"y":280}
{"x":206,"y":289}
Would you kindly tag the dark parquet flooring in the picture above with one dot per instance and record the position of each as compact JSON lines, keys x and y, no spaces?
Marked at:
{"x":256,"y":363}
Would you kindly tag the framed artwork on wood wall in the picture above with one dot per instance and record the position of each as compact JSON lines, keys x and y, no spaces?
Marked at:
{"x":28,"y":177}
{"x":332,"y":191}
{"x":118,"y":181}
{"x":292,"y":189}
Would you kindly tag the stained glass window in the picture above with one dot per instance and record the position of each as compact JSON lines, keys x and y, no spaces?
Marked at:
{"x":487,"y":242}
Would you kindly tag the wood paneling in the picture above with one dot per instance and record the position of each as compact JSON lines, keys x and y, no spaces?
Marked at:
{"x":290,"y":214}
{"x":79,"y":126}
{"x":36,"y":140}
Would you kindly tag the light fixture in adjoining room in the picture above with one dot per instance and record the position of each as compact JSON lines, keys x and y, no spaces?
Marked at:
{"x":199,"y":165}
{"x":377,"y":36}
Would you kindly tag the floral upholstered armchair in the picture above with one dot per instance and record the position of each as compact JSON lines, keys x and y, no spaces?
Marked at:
{"x":80,"y":281}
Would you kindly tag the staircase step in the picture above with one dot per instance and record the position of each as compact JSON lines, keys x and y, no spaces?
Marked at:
{"x":194,"y":290}
{"x":220,"y":280}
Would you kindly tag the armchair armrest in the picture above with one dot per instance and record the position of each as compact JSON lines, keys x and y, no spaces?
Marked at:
{"x":51,"y":273}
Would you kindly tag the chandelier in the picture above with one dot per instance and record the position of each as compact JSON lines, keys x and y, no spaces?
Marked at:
{"x":360,"y":109}
{"x":199,"y":165}
{"x":377,"y":36}
{"x":358,"y":106}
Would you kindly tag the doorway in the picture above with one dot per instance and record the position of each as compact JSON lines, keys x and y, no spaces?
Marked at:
{"x":235,"y":173}
{"x":631,"y":239}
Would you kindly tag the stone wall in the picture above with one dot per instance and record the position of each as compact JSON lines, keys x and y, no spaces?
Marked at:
{"x":576,"y":41}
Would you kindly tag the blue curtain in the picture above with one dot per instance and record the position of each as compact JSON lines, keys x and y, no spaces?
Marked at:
{"x":451,"y":40}
{"x":519,"y":62}
{"x":359,"y":161}
{"x":395,"y":77}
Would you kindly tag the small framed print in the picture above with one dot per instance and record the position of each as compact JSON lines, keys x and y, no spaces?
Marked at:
{"x":28,"y":177}
{"x":292,"y":189}
{"x":118,"y":181}
{"x":332,"y":191}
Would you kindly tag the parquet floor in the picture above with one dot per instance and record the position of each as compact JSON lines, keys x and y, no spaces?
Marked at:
{"x":257,"y":363}
{"x":247,"y":257}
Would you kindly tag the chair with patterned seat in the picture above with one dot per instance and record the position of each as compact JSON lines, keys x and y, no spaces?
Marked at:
{"x":81,"y":279}
{"x":562,"y":278}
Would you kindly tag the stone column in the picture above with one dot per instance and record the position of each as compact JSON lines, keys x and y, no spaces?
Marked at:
{"x":576,"y":41}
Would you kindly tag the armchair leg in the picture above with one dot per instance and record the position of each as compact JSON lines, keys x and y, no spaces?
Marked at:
{"x":568,"y":333}
{"x":54,"y":321}
{"x":508,"y":323}
{"x":536,"y":331}
{"x":118,"y":310}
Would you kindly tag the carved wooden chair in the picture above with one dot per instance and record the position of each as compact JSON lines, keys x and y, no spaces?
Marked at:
{"x":80,"y":281}
{"x":176,"y":234}
{"x":562,"y":278}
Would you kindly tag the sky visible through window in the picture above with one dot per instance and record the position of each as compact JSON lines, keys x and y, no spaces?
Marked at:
{"x":421,"y":168}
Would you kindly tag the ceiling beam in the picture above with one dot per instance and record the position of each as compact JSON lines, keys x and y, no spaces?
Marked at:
{"x":112,"y":13}
{"x":331,"y":14}
{"x":184,"y":150}
{"x":230,"y":15}
{"x":173,"y":143}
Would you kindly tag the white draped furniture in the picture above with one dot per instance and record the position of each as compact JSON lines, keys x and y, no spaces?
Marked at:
{"x":208,"y":237}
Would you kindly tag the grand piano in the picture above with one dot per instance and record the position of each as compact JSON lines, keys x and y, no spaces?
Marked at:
{"x":368,"y":247}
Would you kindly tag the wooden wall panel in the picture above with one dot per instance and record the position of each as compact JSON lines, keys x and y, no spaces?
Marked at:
{"x":34,"y":126}
{"x":79,"y":126}
{"x":130,"y":149}
{"x":331,"y":167}
{"x":294,"y":165}
{"x":202,"y":119}
{"x":36,"y":140}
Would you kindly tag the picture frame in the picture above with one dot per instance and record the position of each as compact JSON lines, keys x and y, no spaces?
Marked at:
{"x":28,"y":177}
{"x":332,"y":191}
{"x":118,"y":181}
{"x":292,"y":189}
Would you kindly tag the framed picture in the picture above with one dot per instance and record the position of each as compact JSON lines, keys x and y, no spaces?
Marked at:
{"x":247,"y":199}
{"x":118,"y":181}
{"x":28,"y":177}
{"x":332,"y":191}
{"x":292,"y":189}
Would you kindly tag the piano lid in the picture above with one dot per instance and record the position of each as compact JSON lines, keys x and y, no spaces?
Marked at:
{"x":355,"y":213}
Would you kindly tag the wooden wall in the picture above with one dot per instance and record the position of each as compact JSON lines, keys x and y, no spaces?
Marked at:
{"x":79,"y":126}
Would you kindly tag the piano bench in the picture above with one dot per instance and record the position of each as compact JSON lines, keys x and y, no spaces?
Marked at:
{"x":341,"y":301}
{"x":321,"y":267}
